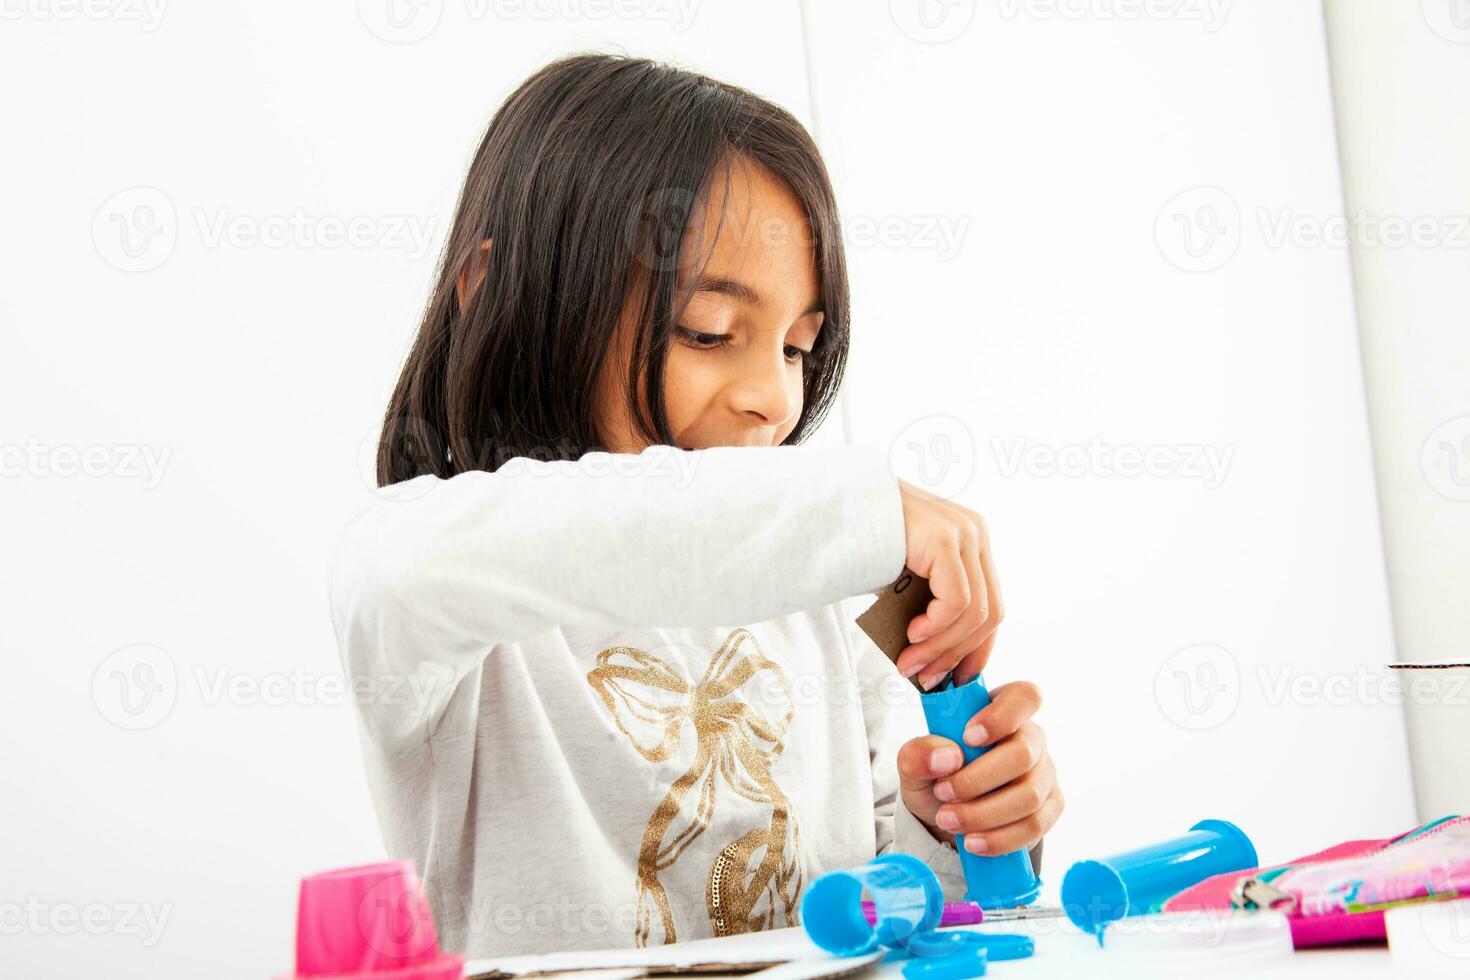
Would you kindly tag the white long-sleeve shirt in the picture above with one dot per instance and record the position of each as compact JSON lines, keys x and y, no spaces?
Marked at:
{"x":622,"y":701}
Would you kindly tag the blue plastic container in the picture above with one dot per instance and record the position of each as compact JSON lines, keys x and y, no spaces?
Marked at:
{"x":907,"y":901}
{"x":908,"y":905}
{"x":994,"y":882}
{"x":1138,"y":882}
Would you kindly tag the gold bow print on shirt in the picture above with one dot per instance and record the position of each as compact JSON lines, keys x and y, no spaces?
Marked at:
{"x":653,"y":704}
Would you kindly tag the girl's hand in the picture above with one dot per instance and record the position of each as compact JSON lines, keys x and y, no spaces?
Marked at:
{"x":948,"y":545}
{"x":1004,"y":801}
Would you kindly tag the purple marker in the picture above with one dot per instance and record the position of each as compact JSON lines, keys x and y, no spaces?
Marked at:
{"x":955,"y":914}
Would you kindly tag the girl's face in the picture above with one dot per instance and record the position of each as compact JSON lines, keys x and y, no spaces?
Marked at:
{"x":734,"y":371}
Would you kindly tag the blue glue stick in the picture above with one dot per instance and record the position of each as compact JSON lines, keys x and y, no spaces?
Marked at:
{"x":994,"y":882}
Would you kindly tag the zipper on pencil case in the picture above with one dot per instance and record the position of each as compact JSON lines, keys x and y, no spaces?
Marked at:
{"x":1257,"y":892}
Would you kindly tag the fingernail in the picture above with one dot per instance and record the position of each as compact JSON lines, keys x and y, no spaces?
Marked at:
{"x":929,"y":681}
{"x":913,"y":669}
{"x":976,"y":735}
{"x":975,"y":845}
{"x":918,"y":636}
{"x":948,"y":820}
{"x":945,"y":760}
{"x":945,"y":791}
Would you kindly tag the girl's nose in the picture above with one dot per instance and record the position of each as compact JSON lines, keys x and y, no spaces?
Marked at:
{"x":769,"y":389}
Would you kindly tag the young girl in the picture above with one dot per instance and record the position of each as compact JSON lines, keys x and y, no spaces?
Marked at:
{"x":606,"y":596}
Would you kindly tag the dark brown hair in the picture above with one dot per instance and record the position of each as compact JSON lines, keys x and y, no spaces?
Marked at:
{"x":586,"y":182}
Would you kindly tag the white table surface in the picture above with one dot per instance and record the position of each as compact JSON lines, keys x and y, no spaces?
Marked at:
{"x":1062,"y":950}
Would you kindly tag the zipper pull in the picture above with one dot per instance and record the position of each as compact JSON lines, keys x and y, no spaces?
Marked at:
{"x":1253,"y":893}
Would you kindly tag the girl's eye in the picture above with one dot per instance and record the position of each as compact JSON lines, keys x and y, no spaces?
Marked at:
{"x":709,"y":341}
{"x":701,"y":339}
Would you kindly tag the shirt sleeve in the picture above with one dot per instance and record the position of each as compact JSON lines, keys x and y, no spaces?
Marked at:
{"x":893,"y":715}
{"x":438,"y":571}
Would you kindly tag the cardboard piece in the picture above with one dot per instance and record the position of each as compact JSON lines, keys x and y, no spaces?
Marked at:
{"x":827,"y":969}
{"x":887,"y":621}
{"x":789,"y":951}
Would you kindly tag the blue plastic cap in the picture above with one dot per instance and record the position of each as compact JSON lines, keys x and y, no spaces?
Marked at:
{"x":959,"y":961}
{"x":1006,"y":945}
{"x":997,"y":945}
{"x":907,"y":900}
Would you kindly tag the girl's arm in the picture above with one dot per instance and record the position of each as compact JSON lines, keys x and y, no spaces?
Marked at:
{"x":438,"y":571}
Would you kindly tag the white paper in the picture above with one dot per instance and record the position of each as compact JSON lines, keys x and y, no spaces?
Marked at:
{"x":773,"y":947}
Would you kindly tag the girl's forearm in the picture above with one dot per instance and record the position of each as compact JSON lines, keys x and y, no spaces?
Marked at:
{"x":442,"y":570}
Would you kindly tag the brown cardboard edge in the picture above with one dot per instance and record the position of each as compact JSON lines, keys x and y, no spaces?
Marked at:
{"x":886,"y":621}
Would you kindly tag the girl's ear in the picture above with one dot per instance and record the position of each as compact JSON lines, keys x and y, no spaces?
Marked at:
{"x":472,"y":274}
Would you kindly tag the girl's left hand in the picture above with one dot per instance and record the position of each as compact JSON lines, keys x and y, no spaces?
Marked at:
{"x":1004,"y":801}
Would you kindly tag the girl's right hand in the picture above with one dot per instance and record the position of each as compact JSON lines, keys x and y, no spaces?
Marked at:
{"x":949,"y":545}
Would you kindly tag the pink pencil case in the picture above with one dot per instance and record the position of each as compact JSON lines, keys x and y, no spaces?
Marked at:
{"x":1339,"y":895}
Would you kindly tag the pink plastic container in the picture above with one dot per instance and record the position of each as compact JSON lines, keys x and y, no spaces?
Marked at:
{"x":370,"y":922}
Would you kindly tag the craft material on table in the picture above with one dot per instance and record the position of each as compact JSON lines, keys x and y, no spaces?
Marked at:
{"x":906,"y":897}
{"x":787,"y":950}
{"x":955,"y":913}
{"x":1024,"y":913}
{"x":369,"y":921}
{"x":908,"y":905}
{"x":1340,"y":894}
{"x":1138,"y":882}
{"x":741,"y":953}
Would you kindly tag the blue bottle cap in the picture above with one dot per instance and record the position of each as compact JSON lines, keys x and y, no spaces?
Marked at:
{"x":1007,"y":945}
{"x":966,"y":960}
{"x":936,"y":943}
{"x":997,"y":945}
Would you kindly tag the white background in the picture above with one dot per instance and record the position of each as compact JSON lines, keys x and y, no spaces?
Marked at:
{"x":1067,"y":318}
{"x":1064,"y":313}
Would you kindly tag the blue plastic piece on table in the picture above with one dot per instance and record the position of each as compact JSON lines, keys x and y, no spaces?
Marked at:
{"x":995,"y":882}
{"x":1007,"y":946}
{"x":997,"y":945}
{"x":1138,"y":882}
{"x":906,"y":896}
{"x":938,"y":943}
{"x":962,"y":960}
